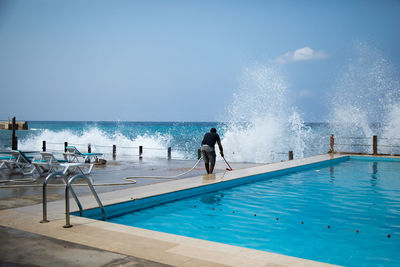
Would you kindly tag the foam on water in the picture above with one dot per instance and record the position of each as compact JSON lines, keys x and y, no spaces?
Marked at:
{"x":101,"y":141}
{"x":262,"y":126}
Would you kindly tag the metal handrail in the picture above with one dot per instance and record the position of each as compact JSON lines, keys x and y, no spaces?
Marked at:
{"x":352,"y":144}
{"x":352,"y":137}
{"x":51,"y":143}
{"x":388,"y":146}
{"x":45,"y":182}
{"x":154,"y":148}
{"x":67,"y":189}
{"x":128,"y":147}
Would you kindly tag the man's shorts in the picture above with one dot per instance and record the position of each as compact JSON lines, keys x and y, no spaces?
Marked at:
{"x":208,"y":154}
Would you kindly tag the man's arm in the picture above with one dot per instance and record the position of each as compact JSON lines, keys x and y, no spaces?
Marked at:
{"x":221,"y":150}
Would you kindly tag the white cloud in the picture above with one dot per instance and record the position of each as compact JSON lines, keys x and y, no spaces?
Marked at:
{"x":302,"y":54}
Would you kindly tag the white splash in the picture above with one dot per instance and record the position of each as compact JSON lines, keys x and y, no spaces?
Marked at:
{"x":366,"y":94}
{"x":390,"y":141}
{"x":153,"y":145}
{"x":263,"y":126}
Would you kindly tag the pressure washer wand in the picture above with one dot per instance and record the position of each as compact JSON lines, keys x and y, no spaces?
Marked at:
{"x":230,"y":168}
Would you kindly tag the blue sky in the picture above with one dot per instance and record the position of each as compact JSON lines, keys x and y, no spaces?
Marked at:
{"x":178,"y":60}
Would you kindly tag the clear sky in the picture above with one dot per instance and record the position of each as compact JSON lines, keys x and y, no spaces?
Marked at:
{"x":177,"y":60}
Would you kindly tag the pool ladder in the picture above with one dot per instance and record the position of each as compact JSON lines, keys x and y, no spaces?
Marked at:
{"x":69,"y":188}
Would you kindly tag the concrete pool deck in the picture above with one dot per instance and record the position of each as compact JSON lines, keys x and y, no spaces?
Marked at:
{"x":151,"y":248}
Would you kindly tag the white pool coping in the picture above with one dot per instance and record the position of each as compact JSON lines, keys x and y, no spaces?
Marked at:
{"x":152,"y":245}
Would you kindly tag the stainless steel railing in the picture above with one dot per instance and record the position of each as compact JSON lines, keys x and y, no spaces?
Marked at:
{"x":69,"y":187}
{"x":45,"y":182}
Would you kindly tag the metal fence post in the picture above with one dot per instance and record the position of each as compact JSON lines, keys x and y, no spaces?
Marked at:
{"x":140,"y":152}
{"x":14,"y":140}
{"x":375,"y":145}
{"x":332,"y":144}
{"x":290,"y":155}
{"x":114,"y":151}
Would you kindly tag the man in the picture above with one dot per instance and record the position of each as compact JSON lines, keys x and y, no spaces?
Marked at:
{"x":208,"y":149}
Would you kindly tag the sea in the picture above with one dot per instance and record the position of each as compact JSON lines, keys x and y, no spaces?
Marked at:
{"x":263,"y":119}
{"x":242,"y":143}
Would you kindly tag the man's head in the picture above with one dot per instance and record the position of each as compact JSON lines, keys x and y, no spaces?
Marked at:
{"x":213,"y":130}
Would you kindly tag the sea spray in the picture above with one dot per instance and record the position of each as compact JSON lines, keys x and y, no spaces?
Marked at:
{"x":155,"y":145}
{"x":263,"y":126}
{"x":390,"y":141}
{"x":183,"y":137}
{"x":366,"y":97}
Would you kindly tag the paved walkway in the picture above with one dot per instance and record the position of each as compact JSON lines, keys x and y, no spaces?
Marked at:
{"x":21,"y":248}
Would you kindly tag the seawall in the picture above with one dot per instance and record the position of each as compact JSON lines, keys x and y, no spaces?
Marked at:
{"x":20,"y":125}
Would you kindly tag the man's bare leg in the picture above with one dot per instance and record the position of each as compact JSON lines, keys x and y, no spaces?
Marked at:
{"x":211,"y":168}
{"x":207,"y":168}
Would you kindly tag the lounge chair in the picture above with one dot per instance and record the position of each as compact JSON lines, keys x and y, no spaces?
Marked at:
{"x":72,"y":154}
{"x":49,"y":163}
{"x":2,"y":163}
{"x":18,"y":161}
{"x":5,"y":156}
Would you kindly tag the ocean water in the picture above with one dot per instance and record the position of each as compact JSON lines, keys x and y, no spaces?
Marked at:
{"x":263,"y":121}
{"x":184,"y":138}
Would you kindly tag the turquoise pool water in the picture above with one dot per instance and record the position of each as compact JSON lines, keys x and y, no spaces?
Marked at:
{"x":345,"y":213}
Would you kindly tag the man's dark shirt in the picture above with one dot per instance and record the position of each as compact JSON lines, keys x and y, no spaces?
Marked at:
{"x":210,"y":139}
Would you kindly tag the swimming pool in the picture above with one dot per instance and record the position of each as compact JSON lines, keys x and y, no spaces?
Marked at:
{"x":343,"y":212}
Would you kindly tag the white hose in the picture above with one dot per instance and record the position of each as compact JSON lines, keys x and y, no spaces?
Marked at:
{"x":166,"y":177}
{"x":129,"y":178}
{"x":131,"y":181}
{"x":22,"y":180}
